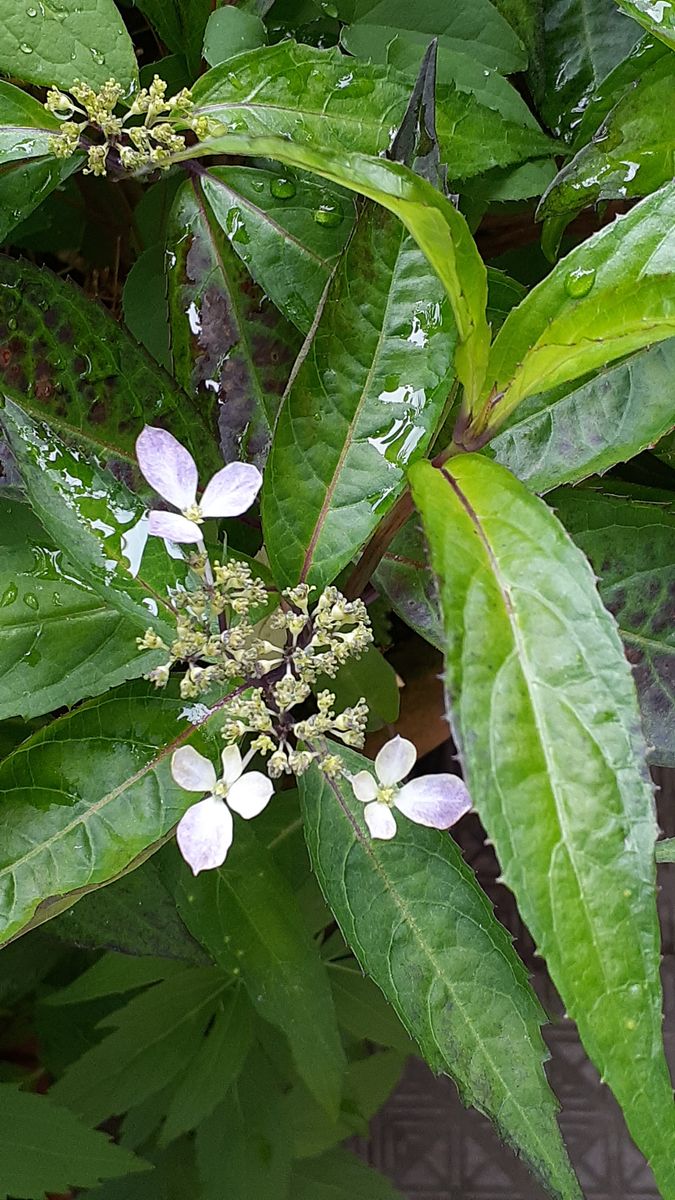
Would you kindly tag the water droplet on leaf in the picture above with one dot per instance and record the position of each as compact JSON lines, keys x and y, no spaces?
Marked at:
{"x":9,"y":595}
{"x":31,"y":600}
{"x":328,"y":214}
{"x":579,"y":282}
{"x":25,"y":48}
{"x":283,"y":188}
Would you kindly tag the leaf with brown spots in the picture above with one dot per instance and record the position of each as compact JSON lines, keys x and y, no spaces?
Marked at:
{"x":63,"y":358}
{"x":232,"y":350}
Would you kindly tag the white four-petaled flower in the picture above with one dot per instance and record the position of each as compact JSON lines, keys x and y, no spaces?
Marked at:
{"x":171,"y":470}
{"x":435,"y":800}
{"x":205,"y":832}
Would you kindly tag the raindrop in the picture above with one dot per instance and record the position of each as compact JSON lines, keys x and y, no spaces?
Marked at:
{"x":97,"y":56}
{"x":12,"y":323}
{"x":25,"y":48}
{"x":578,"y":283}
{"x":9,"y":595}
{"x":283,"y":188}
{"x":328,"y":214}
{"x":31,"y":600}
{"x":31,"y":12}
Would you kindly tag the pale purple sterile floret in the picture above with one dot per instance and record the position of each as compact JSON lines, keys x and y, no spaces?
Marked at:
{"x":434,"y":800}
{"x":171,"y":470}
{"x":205,"y":832}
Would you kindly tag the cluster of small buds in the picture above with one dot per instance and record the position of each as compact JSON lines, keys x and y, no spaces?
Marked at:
{"x":336,"y":630}
{"x":147,"y":144}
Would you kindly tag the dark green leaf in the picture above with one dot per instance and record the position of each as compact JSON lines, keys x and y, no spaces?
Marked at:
{"x":113,"y":975}
{"x":230,"y":31}
{"x":644,"y":55}
{"x":56,"y":45}
{"x":409,"y":585}
{"x":275,"y":224}
{"x":24,"y":965}
{"x":420,"y":926}
{"x":371,"y":678}
{"x":658,"y":19}
{"x":368,"y":1083}
{"x":231,"y":350}
{"x":545,"y":716}
{"x":631,"y":546}
{"x":155,"y":1038}
{"x":59,"y":640}
{"x":339,"y":1175}
{"x":25,"y":125}
{"x":246,"y":916}
{"x":214,"y":1068}
{"x":144,"y":302}
{"x":363,"y":1011}
{"x":69,"y":1154}
{"x":358,"y":409}
{"x":173,"y":1178}
{"x":180,"y":24}
{"x":64,"y":358}
{"x":320,"y":97}
{"x":24,"y":186}
{"x":106,"y":796}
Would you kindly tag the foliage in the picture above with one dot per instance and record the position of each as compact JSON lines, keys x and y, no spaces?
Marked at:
{"x":292,"y":250}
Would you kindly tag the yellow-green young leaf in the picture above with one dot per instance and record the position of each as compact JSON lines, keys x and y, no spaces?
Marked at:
{"x":544,"y":713}
{"x":420,"y":926}
{"x":440,"y":231}
{"x":59,"y":43}
{"x":610,"y":296}
{"x":658,"y":18}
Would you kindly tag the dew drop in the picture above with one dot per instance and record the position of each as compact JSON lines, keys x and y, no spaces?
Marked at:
{"x":283,"y":188}
{"x":31,"y":12}
{"x":9,"y":595}
{"x":97,"y":56}
{"x":578,"y":283}
{"x":31,"y":600}
{"x":328,"y":214}
{"x":25,"y":48}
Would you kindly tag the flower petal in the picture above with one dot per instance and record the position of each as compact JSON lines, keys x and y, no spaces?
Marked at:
{"x":232,"y":764}
{"x":192,"y":771}
{"x":174,"y":527}
{"x":380,"y":820}
{"x":396,"y":758}
{"x":250,"y":794}
{"x":364,"y":786}
{"x":168,"y":467}
{"x":435,"y":800}
{"x":204,"y":834}
{"x":231,"y":491}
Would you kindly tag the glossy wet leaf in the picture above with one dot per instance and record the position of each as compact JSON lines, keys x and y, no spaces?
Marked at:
{"x":478,"y":29}
{"x":70,"y":1154}
{"x":545,"y":716}
{"x":583,"y":42}
{"x":155,"y":1037}
{"x":230,"y":31}
{"x":59,"y":640}
{"x":631,"y":546}
{"x":416,"y":920}
{"x":106,"y":797}
{"x":613,"y":294}
{"x":247,"y":917}
{"x":436,"y":225}
{"x":359,"y":408}
{"x":64,"y":358}
{"x":405,"y":578}
{"x":24,"y":187}
{"x":658,"y":19}
{"x":631,"y":154}
{"x":100,"y":526}
{"x":144,"y":304}
{"x":273,"y":220}
{"x":180,"y":24}
{"x":25,"y":125}
{"x":56,"y":44}
{"x":232,"y":351}
{"x":319,"y":97}
{"x":570,"y":433}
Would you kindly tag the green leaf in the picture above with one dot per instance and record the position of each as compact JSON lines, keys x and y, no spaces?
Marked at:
{"x":247,"y":917}
{"x":232,"y":351}
{"x":371,"y":678}
{"x":24,"y":186}
{"x":59,"y":640}
{"x":174,"y":1176}
{"x":155,"y":1037}
{"x":631,"y":546}
{"x":421,"y":927}
{"x":339,"y":1175}
{"x":214,"y":1068}
{"x":409,"y":585}
{"x":342,"y":104}
{"x":358,"y":409}
{"x":479,"y":28}
{"x":64,"y":358}
{"x":545,"y":716}
{"x":625,"y":75}
{"x":180,"y":24}
{"x":363,"y":1011}
{"x":58,"y":44}
{"x":276,"y":223}
{"x":658,"y":19}
{"x":25,"y":125}
{"x":113,"y":975}
{"x":368,"y":1084}
{"x":230,"y":31}
{"x":565,"y":435}
{"x":630,"y":155}
{"x":582,"y":43}
{"x":144,"y":303}
{"x":438,"y":228}
{"x":98,"y":522}
{"x":106,"y":797}
{"x":611,"y":295}
{"x":69,"y":1155}
{"x":133,"y":915}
